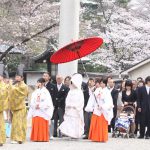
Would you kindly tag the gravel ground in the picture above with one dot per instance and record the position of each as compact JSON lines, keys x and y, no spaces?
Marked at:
{"x":68,"y":144}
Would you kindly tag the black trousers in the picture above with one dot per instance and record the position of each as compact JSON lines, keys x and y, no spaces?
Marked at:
{"x":87,"y":122}
{"x":112,"y":124}
{"x":145,"y":122}
{"x":58,"y":116}
{"x":137,"y":120}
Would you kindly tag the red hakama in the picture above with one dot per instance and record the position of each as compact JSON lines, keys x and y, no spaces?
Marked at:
{"x":98,"y":129}
{"x":40,"y":130}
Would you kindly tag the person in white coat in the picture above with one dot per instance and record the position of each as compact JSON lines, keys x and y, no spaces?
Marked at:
{"x":102,"y":113}
{"x":73,"y":124}
{"x":41,"y":111}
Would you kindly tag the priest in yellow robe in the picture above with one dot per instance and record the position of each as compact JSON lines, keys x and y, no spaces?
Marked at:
{"x":18,"y":95}
{"x":3,"y":107}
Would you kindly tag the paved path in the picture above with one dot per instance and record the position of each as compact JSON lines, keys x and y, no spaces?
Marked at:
{"x":65,"y":144}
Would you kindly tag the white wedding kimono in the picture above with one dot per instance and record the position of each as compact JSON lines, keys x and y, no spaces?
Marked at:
{"x":73,"y":125}
{"x":101,"y":99}
{"x":44,"y":102}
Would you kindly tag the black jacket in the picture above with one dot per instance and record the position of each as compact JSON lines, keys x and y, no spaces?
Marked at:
{"x":114,"y":94}
{"x":85,"y":90}
{"x":129,"y":98}
{"x":143,"y":100}
{"x":60,"y":96}
{"x":51,"y":88}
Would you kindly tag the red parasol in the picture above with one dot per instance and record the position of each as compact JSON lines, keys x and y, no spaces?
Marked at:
{"x":76,"y":50}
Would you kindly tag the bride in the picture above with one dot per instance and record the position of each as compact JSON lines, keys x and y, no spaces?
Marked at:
{"x":73,"y":125}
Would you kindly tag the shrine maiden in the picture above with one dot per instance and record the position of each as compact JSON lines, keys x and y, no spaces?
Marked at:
{"x":41,"y":111}
{"x":102,"y":114}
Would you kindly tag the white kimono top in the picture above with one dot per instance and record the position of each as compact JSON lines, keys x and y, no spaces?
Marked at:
{"x":75,"y":103}
{"x":104,"y":100}
{"x":73,"y":125}
{"x":42,"y":98}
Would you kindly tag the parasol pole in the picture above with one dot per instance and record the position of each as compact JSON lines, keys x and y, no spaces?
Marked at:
{"x":82,"y":64}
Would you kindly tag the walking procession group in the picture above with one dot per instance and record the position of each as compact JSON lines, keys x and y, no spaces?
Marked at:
{"x":78,"y":109}
{"x":12,"y":97}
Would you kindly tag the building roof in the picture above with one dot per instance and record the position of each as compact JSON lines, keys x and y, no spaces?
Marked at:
{"x":139,"y":64}
{"x":43,"y":56}
{"x":33,"y":71}
{"x":16,"y":50}
{"x":48,"y":53}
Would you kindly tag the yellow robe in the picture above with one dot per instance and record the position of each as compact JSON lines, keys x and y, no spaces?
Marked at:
{"x":3,"y":106}
{"x":18,"y":95}
{"x":2,"y":129}
{"x":3,"y":96}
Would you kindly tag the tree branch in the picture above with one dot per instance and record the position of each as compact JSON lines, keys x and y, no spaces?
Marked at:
{"x":27,"y":39}
{"x":36,"y":7}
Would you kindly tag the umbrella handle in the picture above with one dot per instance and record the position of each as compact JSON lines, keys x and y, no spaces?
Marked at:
{"x":82,"y":64}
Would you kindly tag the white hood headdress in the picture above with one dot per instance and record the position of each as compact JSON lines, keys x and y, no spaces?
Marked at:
{"x":77,"y":80}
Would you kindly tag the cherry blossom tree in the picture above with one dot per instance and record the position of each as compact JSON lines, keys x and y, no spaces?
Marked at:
{"x":28,"y":23}
{"x":123,"y":24}
{"x":126,"y":35}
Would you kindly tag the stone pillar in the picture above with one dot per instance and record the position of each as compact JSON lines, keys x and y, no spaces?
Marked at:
{"x":68,"y":32}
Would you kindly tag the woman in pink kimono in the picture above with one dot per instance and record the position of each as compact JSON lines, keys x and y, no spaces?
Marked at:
{"x":73,"y":125}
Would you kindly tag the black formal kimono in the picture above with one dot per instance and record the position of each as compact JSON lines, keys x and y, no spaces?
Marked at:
{"x":143,"y":102}
{"x":59,"y":106}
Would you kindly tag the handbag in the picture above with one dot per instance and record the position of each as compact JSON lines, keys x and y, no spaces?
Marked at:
{"x":91,"y":102}
{"x":8,"y":129}
{"x":90,"y":105}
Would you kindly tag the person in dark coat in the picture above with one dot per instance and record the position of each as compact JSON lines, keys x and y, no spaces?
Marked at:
{"x":129,"y":97}
{"x":88,"y":115}
{"x":49,"y":85}
{"x":114,"y":94}
{"x":85,"y":90}
{"x":59,"y":102}
{"x":51,"y":88}
{"x":143,"y":104}
{"x":137,"y":115}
